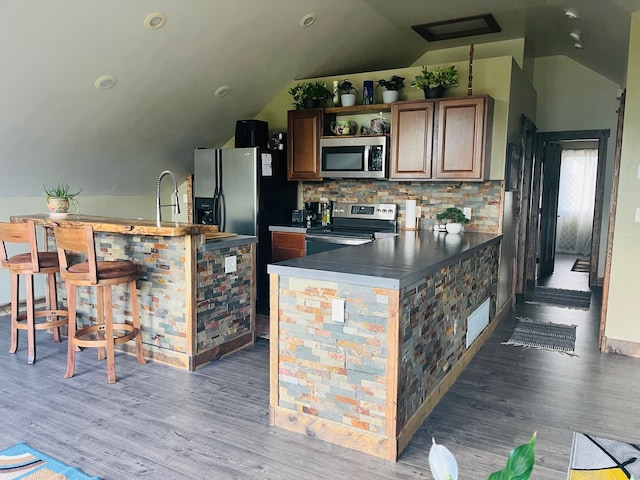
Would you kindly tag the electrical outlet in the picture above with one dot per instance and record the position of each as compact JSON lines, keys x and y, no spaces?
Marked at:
{"x":185,"y":199}
{"x":230,"y":264}
{"x":637,"y":214}
{"x":337,"y":310}
{"x":467,"y":212}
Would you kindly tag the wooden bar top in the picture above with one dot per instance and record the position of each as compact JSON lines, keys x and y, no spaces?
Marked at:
{"x":125,"y":226}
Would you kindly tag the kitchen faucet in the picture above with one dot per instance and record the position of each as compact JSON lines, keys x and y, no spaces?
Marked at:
{"x":176,"y":205}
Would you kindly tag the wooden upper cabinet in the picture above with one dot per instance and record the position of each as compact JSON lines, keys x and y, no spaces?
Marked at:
{"x":461,"y":146}
{"x":411,"y":140}
{"x":303,"y":142}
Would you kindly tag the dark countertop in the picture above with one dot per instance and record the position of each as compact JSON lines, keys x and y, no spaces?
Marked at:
{"x":228,"y":242}
{"x":394,"y":262}
{"x":290,"y":227}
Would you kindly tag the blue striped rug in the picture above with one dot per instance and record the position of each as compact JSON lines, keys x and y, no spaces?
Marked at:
{"x":22,"y":461}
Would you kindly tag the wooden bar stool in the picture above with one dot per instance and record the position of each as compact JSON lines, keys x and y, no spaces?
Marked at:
{"x":29,"y":264}
{"x":106,"y":333}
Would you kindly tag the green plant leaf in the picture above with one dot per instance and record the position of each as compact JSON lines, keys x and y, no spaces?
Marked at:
{"x":519,"y":464}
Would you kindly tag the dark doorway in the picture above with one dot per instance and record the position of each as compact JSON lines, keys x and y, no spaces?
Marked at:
{"x":548,"y":152}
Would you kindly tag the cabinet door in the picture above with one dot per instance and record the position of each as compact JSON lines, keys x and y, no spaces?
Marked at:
{"x":287,"y":245}
{"x":460,"y":144}
{"x":412,"y":140}
{"x":303,"y":138}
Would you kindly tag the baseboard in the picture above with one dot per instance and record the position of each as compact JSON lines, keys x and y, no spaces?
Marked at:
{"x":330,"y":431}
{"x":621,"y":347}
{"x":39,"y":302}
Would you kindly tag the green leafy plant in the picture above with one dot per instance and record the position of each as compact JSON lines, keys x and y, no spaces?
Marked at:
{"x":436,"y":78}
{"x":453,"y":214}
{"x":346,"y":87}
{"x":519,"y":465}
{"x":309,"y":91}
{"x":62,"y":191}
{"x":395,"y":83}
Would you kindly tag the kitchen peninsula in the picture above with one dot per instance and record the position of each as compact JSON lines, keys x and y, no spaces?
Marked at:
{"x":365,"y":340}
{"x":191,"y":311}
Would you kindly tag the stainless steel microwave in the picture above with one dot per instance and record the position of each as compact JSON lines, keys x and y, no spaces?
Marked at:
{"x":354,"y":157}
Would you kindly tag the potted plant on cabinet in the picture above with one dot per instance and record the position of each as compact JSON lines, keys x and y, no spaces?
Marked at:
{"x":309,"y":95}
{"x":393,"y":87}
{"x":347,"y":93}
{"x":59,"y":198}
{"x":434,"y":82}
{"x":455,"y":219}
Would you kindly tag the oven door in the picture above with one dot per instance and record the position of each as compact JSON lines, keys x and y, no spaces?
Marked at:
{"x":322,"y":243}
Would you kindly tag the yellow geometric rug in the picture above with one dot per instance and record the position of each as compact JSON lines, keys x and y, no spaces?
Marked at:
{"x":596,"y":458}
{"x":26,"y":463}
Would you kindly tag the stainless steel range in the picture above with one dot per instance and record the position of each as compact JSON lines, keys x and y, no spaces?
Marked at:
{"x":353,"y":224}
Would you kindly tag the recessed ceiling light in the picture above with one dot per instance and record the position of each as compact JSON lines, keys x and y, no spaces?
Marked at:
{"x":155,"y":20}
{"x":223,"y":91}
{"x":575,"y":36}
{"x":106,"y":82}
{"x":571,"y":14}
{"x":578,"y":45}
{"x":308,"y":20}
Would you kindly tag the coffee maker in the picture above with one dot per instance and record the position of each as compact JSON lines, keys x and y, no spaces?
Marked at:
{"x":314,"y":213}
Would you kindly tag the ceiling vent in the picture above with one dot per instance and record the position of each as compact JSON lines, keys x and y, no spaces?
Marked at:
{"x":458,"y":28}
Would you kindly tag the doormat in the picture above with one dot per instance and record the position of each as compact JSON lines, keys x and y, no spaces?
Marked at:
{"x":580,"y":266}
{"x":543,"y":335}
{"x":558,"y":297}
{"x":26,"y":463}
{"x":595,"y":458}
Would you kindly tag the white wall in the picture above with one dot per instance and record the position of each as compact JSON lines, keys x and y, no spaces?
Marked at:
{"x":622,"y":311}
{"x":573,"y":97}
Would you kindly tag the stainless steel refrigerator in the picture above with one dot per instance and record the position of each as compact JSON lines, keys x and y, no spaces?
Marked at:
{"x":244,"y":190}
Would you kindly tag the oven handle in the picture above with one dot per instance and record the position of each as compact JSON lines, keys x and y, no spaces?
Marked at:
{"x":335,"y":239}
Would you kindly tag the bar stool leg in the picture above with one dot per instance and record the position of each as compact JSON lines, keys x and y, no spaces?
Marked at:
{"x":15,"y":298}
{"x":135,"y":312}
{"x":52,"y":304}
{"x":100,"y":318}
{"x":31,"y":327}
{"x":108,"y":332}
{"x":71,"y":350}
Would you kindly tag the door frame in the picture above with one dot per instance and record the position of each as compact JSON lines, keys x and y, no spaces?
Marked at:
{"x":549,"y":208}
{"x":602,"y":137}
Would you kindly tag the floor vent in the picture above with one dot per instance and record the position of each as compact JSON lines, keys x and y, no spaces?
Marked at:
{"x":477,"y":321}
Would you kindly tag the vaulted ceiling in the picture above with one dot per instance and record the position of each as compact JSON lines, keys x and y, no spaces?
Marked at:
{"x":56,"y":125}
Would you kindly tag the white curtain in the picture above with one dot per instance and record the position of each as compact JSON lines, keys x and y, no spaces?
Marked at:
{"x":578,"y":170}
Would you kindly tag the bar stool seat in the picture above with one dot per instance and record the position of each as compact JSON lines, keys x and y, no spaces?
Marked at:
{"x":106,"y":333}
{"x":30,"y":264}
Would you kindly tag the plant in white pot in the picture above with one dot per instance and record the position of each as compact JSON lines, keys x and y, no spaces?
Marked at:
{"x":455,"y":219}
{"x":347,"y":93}
{"x":393,"y":87}
{"x":60,"y":198}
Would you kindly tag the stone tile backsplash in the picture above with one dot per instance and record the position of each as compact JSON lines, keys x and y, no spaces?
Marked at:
{"x":484,"y":198}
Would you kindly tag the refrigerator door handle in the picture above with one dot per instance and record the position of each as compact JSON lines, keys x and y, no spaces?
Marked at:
{"x":216,"y":191}
{"x":223,"y":212}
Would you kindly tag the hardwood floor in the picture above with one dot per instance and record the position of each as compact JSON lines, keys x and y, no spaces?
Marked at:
{"x":159,"y":422}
